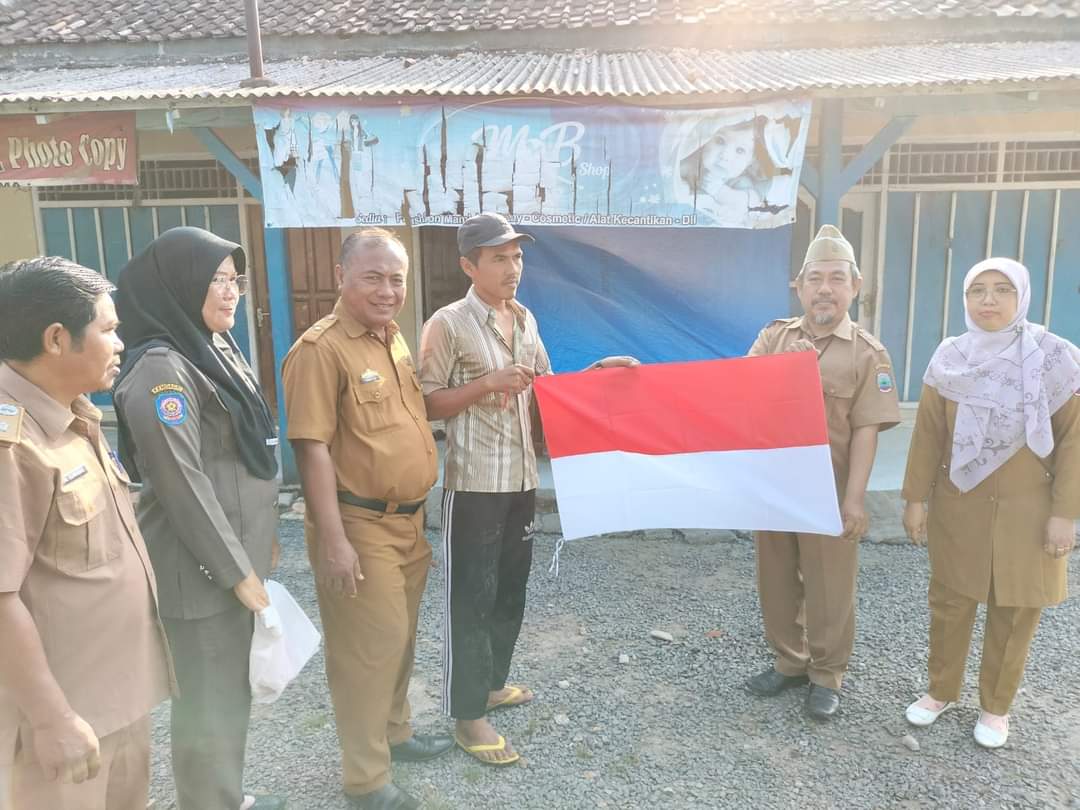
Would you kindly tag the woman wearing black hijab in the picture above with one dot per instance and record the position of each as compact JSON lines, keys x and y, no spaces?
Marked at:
{"x":196,"y":430}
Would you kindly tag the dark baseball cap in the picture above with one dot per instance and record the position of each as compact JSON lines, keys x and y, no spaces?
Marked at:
{"x":486,"y":230}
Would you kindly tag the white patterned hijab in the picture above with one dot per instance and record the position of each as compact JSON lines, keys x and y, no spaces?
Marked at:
{"x":1006,"y":384}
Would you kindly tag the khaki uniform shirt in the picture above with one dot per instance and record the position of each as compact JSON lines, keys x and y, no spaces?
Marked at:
{"x":489,"y":445}
{"x":856,"y":378}
{"x":207,"y":520}
{"x":355,"y":393}
{"x":992,"y":536}
{"x":71,"y":548}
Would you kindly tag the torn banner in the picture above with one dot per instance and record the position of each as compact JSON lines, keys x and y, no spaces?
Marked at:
{"x":719,"y":444}
{"x":340,"y":163}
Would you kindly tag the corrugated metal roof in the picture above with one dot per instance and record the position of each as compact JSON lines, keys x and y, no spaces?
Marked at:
{"x":636,"y":74}
{"x":29,"y":21}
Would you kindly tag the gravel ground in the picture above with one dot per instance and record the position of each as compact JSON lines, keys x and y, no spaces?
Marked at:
{"x":673,"y":728}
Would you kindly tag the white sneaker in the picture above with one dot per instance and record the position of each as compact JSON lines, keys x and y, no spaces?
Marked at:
{"x":919,"y":716}
{"x":989,"y":737}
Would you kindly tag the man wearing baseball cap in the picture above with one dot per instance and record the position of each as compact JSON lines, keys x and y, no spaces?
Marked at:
{"x":478,"y":358}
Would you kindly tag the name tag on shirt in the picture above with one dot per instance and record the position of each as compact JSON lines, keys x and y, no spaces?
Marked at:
{"x":75,"y":474}
{"x":370,"y":376}
{"x":272,"y":442}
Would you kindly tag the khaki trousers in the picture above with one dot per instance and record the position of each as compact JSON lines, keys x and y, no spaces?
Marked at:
{"x":370,"y":640}
{"x":806,"y":583}
{"x":1006,"y":642}
{"x":122,"y":784}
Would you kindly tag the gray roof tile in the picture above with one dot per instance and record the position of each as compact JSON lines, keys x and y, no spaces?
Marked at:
{"x":683,"y":72}
{"x":54,"y":20}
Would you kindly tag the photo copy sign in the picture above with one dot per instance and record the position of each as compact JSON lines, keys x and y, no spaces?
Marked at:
{"x":59,"y":150}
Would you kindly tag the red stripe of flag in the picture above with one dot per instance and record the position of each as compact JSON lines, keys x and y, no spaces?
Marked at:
{"x":747,"y":403}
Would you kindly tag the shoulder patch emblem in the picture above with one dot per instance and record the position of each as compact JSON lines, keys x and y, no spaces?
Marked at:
{"x":884,"y":381}
{"x":10,"y":423}
{"x":873,"y":341}
{"x":318,"y":329}
{"x":172,"y":408}
{"x":157,"y":389}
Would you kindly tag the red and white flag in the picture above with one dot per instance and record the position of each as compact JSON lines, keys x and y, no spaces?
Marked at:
{"x":720,"y":444}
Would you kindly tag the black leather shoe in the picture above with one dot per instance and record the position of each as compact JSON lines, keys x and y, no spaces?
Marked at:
{"x":822,"y":703}
{"x":388,"y":797}
{"x":421,"y":747}
{"x":771,"y":682}
{"x":269,"y":803}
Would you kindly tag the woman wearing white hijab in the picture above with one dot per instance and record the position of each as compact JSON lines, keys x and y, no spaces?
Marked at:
{"x":996,"y":453}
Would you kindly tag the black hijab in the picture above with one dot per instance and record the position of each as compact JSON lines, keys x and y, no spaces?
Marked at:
{"x":159,"y":300}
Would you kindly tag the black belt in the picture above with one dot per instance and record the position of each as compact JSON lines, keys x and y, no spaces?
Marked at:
{"x":389,"y":507}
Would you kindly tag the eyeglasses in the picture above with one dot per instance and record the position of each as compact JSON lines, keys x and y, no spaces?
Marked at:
{"x":222,"y":283}
{"x":978,"y":292}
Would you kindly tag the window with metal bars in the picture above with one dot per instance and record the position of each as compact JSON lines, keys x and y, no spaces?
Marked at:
{"x":943,"y":163}
{"x":1041,"y":161}
{"x":160,"y":180}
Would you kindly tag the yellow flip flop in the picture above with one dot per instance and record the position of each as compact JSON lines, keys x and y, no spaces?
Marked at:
{"x":511,"y":699}
{"x":474,"y":750}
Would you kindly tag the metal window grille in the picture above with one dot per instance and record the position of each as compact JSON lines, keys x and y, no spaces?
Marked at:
{"x":1041,"y":161}
{"x":160,"y":180}
{"x":943,"y":163}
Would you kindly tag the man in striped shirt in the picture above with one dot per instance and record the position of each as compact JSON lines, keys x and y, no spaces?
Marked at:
{"x":478,"y":358}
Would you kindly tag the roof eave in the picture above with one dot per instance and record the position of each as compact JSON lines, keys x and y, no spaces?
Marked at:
{"x":245,"y":98}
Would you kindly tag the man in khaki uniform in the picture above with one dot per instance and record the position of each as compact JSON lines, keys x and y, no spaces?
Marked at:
{"x":806,"y":582}
{"x":84,"y":655}
{"x":367,"y":461}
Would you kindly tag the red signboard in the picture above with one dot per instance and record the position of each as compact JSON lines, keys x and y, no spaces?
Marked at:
{"x":57,"y":150}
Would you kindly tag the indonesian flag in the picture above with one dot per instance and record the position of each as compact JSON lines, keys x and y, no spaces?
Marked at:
{"x":720,"y":444}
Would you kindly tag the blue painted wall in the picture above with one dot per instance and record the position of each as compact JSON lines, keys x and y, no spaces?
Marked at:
{"x":969,"y":247}
{"x":929,"y":286}
{"x":896,"y":285}
{"x":1065,"y":312}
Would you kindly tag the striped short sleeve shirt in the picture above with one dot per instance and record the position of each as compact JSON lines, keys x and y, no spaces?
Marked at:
{"x":489,"y":445}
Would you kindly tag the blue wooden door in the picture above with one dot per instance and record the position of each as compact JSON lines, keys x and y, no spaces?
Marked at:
{"x":105,"y":238}
{"x":932,"y":238}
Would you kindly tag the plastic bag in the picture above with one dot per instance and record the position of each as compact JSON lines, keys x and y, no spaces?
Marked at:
{"x":283,"y":642}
